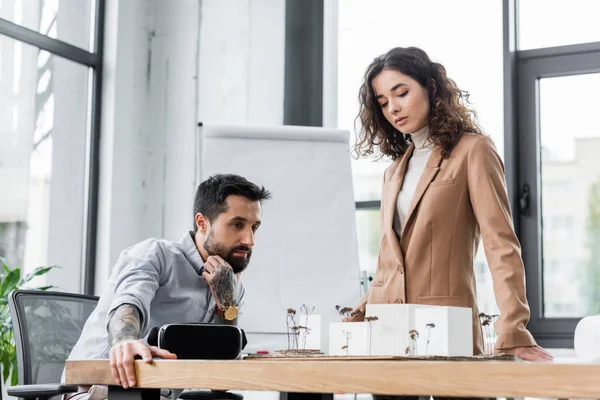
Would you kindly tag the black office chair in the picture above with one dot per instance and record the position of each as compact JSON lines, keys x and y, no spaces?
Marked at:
{"x":46,"y":326}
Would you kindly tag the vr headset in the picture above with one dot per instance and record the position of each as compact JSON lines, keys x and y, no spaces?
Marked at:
{"x":200,"y":341}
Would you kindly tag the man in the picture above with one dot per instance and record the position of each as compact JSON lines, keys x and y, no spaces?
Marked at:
{"x":157,"y":282}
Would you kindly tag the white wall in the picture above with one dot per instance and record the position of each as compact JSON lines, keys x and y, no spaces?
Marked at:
{"x":67,"y":182}
{"x":240,"y":64}
{"x":167,"y":66}
{"x":133,"y":134}
{"x":242,"y":61}
{"x":175,"y":58}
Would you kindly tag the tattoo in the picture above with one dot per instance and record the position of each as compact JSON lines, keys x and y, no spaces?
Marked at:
{"x":223,"y":283}
{"x":125,"y":324}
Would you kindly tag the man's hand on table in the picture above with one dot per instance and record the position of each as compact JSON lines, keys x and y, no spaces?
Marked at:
{"x":123,"y":335}
{"x":122,"y":355}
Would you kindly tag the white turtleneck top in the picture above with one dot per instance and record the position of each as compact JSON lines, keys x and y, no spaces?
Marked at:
{"x":414,"y":170}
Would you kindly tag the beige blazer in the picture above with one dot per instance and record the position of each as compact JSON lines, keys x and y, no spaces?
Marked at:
{"x":457,"y":201}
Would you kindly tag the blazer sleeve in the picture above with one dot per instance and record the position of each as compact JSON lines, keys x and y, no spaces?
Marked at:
{"x":488,"y":195}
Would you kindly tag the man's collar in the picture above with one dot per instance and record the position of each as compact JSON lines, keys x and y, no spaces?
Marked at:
{"x":191,"y":252}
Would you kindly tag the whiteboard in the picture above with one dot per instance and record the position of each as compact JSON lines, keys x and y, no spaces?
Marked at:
{"x":306,"y":248}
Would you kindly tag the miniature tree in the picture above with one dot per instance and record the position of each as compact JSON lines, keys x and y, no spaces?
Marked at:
{"x":370,"y":320}
{"x":291,"y":332}
{"x":347,"y":346}
{"x":358,"y":313}
{"x":429,"y":327}
{"x":295,"y":334}
{"x":307,"y":310}
{"x":487,"y":323}
{"x":345,"y":312}
{"x":414,"y":335}
{"x":305,"y":330}
{"x":493,"y":319}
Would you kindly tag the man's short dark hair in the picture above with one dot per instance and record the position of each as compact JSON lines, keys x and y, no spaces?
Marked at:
{"x":211,"y":195}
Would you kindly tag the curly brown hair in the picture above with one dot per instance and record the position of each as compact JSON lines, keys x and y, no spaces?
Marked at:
{"x":449,"y":114}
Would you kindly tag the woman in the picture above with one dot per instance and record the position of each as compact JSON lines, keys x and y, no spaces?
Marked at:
{"x":443,"y":192}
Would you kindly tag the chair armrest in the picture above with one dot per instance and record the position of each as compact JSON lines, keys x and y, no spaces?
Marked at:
{"x":42,"y":390}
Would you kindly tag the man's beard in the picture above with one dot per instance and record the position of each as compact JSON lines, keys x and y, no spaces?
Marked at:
{"x":238,"y":264}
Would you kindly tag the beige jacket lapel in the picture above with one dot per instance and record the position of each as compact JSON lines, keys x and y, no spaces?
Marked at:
{"x":431,"y":169}
{"x":389,"y":198}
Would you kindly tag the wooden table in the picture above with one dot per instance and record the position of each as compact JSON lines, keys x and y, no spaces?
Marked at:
{"x":318,"y":379}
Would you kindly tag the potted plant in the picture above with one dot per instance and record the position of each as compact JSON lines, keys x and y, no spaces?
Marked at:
{"x":10,"y":280}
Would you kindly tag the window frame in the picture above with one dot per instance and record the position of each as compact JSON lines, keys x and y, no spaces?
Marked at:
{"x":531,"y":66}
{"x":93,"y":60}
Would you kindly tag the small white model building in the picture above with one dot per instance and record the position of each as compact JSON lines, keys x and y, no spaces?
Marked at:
{"x":312,"y":339}
{"x":452,"y":334}
{"x":406,"y":329}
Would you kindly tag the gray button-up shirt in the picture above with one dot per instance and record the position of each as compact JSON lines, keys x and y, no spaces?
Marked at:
{"x":163,"y":280}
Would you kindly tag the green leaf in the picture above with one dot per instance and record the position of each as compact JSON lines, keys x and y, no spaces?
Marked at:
{"x":15,"y":375}
{"x":46,"y":287}
{"x":9,"y":282}
{"x":5,"y":360}
{"x":5,"y":369}
{"x":37,"y":272}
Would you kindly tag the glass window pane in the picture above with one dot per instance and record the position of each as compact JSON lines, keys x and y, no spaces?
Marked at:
{"x":543,"y":23}
{"x":368,"y":228}
{"x":66,"y":20}
{"x":570,"y":177}
{"x":367,"y":176}
{"x":486,"y":299}
{"x":44,"y":120}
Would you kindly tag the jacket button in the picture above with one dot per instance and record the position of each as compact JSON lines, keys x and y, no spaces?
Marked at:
{"x":399,"y":301}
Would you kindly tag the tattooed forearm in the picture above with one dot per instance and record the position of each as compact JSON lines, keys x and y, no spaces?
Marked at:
{"x":223,"y":283}
{"x":124,"y":324}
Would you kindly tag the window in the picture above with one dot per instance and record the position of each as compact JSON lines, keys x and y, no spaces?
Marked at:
{"x":43,"y":158}
{"x":554,"y":188}
{"x":558,"y":227}
{"x":554,"y":23}
{"x":49,"y":113}
{"x":65,"y":20}
{"x":368,"y":29}
{"x":368,"y":228}
{"x":558,"y":163}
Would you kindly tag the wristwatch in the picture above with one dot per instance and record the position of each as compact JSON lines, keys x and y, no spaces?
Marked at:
{"x":229,"y":314}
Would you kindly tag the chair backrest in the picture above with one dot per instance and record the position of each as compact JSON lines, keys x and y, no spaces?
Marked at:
{"x":46,"y":326}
